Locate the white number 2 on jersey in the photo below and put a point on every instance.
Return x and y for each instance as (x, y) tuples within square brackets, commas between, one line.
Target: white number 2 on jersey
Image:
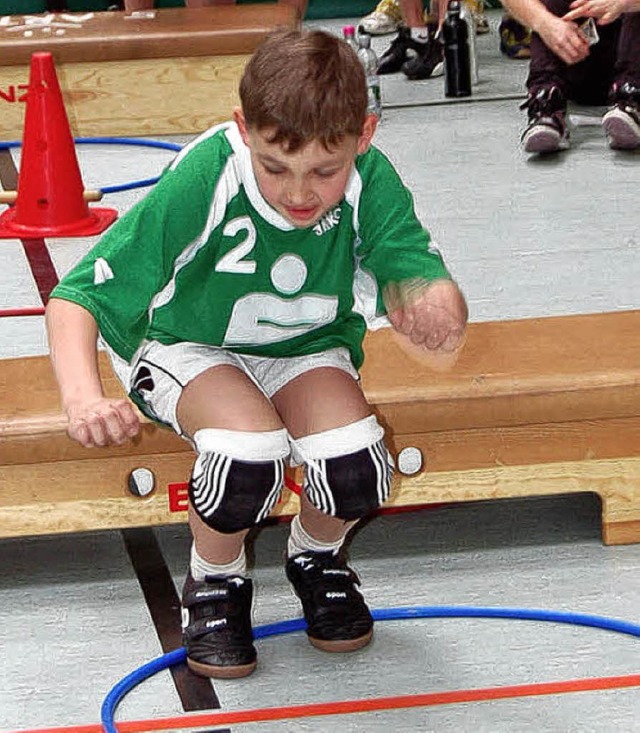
[(234, 261)]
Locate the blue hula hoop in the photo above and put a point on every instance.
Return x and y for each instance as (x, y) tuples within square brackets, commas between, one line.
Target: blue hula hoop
[(178, 656), (140, 142)]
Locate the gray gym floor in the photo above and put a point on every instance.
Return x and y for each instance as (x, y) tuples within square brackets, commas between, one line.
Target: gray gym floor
[(524, 238)]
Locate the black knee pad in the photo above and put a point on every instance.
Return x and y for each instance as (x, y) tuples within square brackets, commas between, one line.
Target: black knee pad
[(348, 470), (235, 487)]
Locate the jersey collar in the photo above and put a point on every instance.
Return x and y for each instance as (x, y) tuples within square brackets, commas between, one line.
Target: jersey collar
[(248, 179)]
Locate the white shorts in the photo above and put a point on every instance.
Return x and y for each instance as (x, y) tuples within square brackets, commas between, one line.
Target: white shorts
[(161, 372)]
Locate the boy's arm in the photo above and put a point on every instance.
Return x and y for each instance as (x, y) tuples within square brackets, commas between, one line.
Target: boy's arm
[(419, 297), (94, 420), (561, 36)]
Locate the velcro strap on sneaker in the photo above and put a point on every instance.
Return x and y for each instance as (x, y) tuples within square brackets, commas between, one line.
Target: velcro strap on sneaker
[(212, 594), (346, 574), (199, 627)]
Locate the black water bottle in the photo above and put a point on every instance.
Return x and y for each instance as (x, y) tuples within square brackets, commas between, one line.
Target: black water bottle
[(457, 55)]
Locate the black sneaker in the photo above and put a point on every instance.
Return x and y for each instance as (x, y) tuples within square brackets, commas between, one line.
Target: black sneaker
[(392, 59), (337, 617), (547, 130), (621, 122), (428, 61), (216, 626)]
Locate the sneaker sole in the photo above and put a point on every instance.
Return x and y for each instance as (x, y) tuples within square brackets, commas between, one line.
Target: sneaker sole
[(438, 70), (620, 134), (393, 70), (342, 645), (223, 673), (543, 141)]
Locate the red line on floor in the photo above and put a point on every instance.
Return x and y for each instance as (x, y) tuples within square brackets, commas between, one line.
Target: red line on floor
[(348, 707)]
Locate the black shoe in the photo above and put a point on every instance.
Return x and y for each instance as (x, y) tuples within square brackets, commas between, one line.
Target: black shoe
[(392, 59), (621, 122), (216, 626), (337, 617), (428, 61), (547, 130)]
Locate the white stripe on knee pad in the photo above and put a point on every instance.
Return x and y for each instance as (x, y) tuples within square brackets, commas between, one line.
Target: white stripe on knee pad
[(217, 450), (315, 450), (384, 465)]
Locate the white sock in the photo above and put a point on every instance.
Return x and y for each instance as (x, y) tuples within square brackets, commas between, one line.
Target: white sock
[(200, 567), (421, 35), (301, 541)]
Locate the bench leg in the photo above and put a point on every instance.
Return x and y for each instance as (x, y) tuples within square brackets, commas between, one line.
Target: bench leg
[(619, 525), (616, 481), (620, 496), (621, 533)]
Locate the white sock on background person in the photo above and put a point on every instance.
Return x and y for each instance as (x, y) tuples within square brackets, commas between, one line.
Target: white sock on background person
[(421, 35)]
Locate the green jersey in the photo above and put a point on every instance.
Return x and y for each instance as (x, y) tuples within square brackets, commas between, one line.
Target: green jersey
[(204, 258)]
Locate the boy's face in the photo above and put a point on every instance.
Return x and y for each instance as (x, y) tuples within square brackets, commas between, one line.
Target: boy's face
[(304, 185)]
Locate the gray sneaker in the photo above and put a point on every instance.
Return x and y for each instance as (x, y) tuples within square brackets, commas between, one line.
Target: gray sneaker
[(547, 130), (621, 123)]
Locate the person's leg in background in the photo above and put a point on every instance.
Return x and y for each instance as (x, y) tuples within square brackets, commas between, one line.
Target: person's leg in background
[(552, 82), (385, 18), (415, 51), (622, 122), (299, 5), (479, 16)]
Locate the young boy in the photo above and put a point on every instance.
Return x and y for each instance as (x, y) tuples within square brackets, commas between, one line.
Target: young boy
[(233, 301)]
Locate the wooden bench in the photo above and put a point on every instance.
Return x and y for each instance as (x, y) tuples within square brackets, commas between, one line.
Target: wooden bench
[(532, 407), (176, 71)]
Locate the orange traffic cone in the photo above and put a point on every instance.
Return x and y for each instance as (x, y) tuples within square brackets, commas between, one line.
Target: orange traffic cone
[(50, 198)]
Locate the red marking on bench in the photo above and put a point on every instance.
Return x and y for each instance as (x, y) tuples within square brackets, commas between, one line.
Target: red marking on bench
[(10, 94), (178, 496)]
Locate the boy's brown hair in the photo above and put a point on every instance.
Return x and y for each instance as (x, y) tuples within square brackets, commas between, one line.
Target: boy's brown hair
[(306, 85)]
